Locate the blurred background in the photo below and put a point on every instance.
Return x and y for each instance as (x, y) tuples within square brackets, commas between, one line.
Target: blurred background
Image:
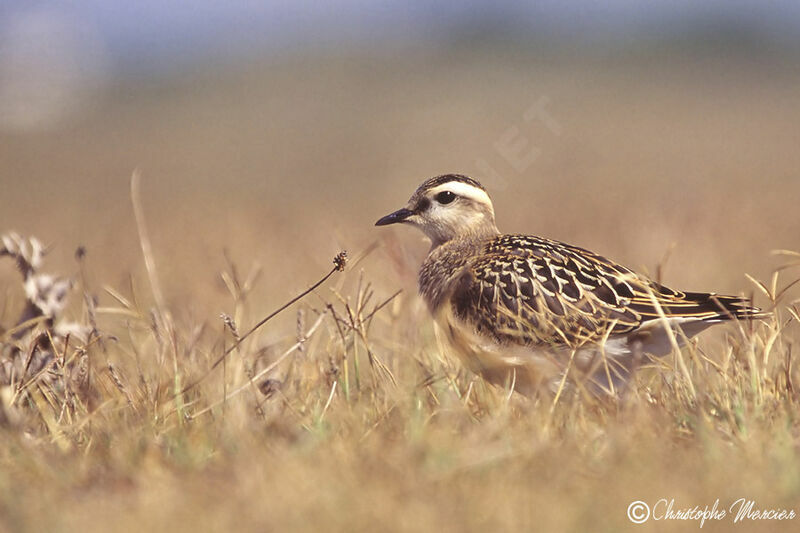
[(660, 132), (278, 132)]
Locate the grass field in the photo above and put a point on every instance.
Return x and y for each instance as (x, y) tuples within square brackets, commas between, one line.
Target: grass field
[(341, 413)]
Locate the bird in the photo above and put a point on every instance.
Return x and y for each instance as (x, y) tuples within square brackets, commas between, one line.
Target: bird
[(528, 312)]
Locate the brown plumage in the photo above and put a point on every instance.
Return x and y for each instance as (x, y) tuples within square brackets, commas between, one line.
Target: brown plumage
[(523, 305)]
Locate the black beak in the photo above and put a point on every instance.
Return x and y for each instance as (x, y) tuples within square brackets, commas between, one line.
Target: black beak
[(393, 218)]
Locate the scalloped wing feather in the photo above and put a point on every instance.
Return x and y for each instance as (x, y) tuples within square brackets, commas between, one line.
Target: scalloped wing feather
[(533, 291)]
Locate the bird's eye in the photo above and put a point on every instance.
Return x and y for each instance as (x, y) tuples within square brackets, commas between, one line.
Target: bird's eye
[(445, 197)]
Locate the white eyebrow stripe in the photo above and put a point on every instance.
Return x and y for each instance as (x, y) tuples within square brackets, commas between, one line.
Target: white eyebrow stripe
[(463, 189)]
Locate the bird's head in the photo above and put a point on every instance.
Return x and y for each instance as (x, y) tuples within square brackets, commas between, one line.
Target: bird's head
[(445, 207)]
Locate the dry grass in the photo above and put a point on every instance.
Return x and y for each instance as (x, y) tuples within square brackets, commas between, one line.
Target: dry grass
[(362, 425)]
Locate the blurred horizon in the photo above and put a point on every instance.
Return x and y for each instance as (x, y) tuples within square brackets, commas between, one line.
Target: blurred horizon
[(152, 37), (57, 57)]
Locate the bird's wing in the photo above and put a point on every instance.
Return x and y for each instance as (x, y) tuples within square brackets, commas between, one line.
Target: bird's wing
[(528, 290)]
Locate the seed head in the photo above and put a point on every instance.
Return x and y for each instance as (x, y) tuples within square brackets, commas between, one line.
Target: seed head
[(340, 261)]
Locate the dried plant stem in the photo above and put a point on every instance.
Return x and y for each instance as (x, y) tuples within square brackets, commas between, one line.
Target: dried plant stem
[(144, 240), (266, 370), (163, 320), (338, 266)]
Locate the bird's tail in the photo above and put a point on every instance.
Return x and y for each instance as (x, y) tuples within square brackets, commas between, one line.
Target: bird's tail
[(701, 306), (714, 307)]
